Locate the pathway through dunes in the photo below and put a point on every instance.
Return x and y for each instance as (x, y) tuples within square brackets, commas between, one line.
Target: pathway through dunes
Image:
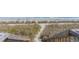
[(36, 39)]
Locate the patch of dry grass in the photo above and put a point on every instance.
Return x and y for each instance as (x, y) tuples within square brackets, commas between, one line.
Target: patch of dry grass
[(23, 30), (51, 30)]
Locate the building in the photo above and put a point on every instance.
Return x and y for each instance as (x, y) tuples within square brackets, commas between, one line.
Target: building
[(75, 33), (6, 37), (16, 38), (3, 36)]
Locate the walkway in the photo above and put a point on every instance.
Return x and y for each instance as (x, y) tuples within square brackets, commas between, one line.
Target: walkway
[(36, 39)]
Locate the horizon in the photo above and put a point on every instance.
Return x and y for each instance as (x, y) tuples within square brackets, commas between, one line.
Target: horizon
[(40, 18)]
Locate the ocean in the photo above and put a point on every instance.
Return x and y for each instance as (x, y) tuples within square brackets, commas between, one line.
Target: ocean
[(40, 18)]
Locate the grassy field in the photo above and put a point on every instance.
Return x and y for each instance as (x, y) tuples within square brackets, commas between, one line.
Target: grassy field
[(27, 30)]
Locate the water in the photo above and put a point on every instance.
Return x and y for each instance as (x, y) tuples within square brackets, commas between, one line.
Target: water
[(40, 18)]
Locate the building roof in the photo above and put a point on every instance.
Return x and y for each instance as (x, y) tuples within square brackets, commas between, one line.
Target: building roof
[(74, 32), (17, 37), (3, 36)]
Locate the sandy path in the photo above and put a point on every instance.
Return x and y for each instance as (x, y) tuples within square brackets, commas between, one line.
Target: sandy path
[(36, 39)]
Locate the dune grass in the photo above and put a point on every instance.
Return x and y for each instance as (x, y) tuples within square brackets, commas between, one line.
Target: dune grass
[(25, 30), (53, 29)]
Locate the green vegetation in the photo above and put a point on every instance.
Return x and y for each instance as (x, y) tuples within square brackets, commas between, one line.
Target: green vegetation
[(25, 30)]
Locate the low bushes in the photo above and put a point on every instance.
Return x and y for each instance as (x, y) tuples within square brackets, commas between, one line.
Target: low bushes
[(25, 30)]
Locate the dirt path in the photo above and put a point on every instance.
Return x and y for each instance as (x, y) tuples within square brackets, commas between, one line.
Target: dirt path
[(36, 39)]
